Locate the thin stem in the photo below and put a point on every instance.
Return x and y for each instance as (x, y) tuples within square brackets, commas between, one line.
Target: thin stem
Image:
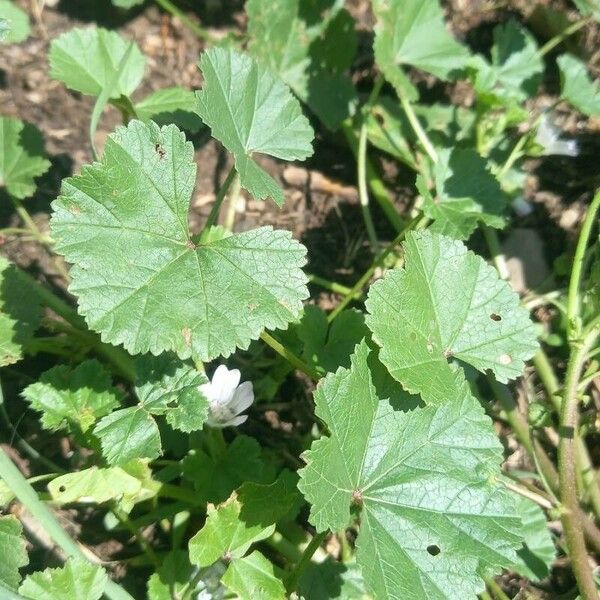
[(41, 513), (236, 187), (289, 356), (379, 259), (548, 377), (294, 578), (363, 191), (573, 299), (14, 231), (496, 591), (493, 243), (417, 128), (202, 33), (514, 155), (216, 207), (143, 543), (567, 472), (332, 286), (563, 35)]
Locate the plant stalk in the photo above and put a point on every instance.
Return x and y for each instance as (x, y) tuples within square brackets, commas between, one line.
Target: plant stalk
[(418, 128), (294, 578), (216, 207), (563, 35), (289, 356)]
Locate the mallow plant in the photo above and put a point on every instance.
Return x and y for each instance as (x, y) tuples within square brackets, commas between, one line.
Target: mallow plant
[(238, 439)]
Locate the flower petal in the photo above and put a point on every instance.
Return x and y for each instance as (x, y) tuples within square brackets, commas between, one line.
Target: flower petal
[(242, 398), (236, 421), (223, 384)]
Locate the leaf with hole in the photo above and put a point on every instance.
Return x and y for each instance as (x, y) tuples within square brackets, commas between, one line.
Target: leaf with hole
[(433, 518), (158, 290)]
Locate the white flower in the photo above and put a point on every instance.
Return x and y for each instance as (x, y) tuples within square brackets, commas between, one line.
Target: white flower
[(227, 398), (547, 136)]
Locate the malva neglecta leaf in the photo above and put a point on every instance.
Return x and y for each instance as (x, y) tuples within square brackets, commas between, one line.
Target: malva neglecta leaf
[(413, 33), (17, 26), (76, 580), (333, 580), (467, 194), (433, 518), (214, 478), (22, 157), (253, 578), (73, 398), (310, 52), (250, 110), (13, 555), (20, 314), (446, 303), (157, 290), (172, 577), (576, 87), (87, 60)]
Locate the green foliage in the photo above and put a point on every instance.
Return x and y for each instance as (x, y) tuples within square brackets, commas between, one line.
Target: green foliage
[(467, 194), (310, 46), (253, 578), (170, 105), (127, 3), (423, 481), (73, 398), (22, 157), (331, 580), (448, 303), (576, 86), (12, 552), (250, 111), (77, 580), (136, 202), (87, 61), (19, 314), (14, 24)]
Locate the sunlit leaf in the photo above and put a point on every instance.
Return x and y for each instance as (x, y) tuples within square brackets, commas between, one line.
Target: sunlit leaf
[(15, 27), (253, 578), (576, 86), (13, 555)]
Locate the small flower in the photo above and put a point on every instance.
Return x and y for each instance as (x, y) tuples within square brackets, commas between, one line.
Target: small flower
[(547, 136), (227, 397)]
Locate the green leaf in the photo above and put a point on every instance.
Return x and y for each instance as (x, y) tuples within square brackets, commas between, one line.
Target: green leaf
[(413, 32), (172, 577), (433, 518), (310, 46), (588, 8), (220, 293), (331, 580), (251, 111), (516, 68), (576, 86), (329, 346), (467, 194), (87, 61), (73, 398), (170, 105), (167, 386), (446, 303), (19, 314), (127, 434), (127, 3), (22, 157), (16, 24), (253, 578), (538, 551), (215, 478), (77, 580), (13, 555)]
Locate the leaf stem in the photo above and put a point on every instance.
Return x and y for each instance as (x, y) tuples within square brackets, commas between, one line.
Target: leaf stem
[(216, 207), (563, 35), (143, 543), (573, 298), (496, 591), (202, 33), (417, 127), (363, 191), (236, 187), (567, 472), (493, 243), (289, 356), (294, 577), (332, 286), (28, 497)]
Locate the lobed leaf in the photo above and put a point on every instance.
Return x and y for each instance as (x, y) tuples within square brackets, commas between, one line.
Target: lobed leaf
[(19, 314), (433, 519), (87, 60), (332, 580), (77, 580), (13, 555), (251, 111), (253, 578), (446, 303), (157, 290), (73, 398), (170, 105), (22, 157), (16, 26)]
